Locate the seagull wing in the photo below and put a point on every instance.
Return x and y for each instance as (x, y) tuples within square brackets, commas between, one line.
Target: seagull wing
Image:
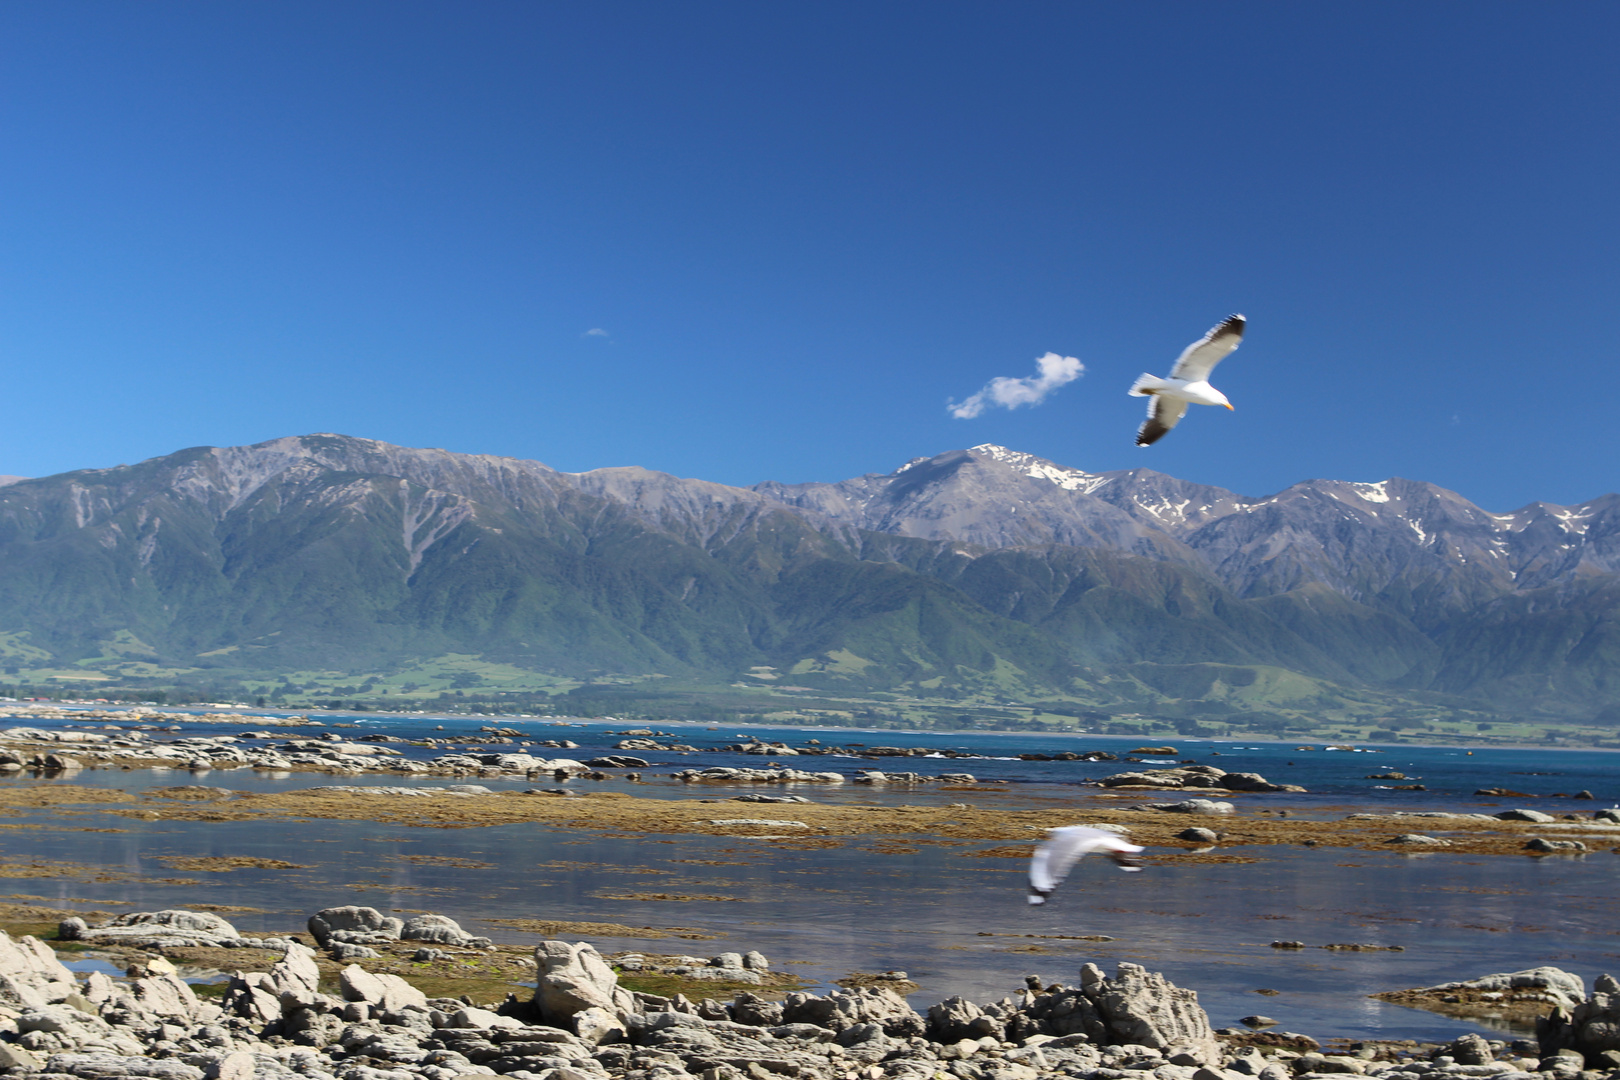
[(1056, 855), (1163, 414), (1199, 359)]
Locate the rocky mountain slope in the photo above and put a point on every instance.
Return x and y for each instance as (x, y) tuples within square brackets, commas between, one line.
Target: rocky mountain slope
[(974, 569)]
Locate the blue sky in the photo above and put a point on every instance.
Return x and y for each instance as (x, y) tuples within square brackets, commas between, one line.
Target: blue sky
[(804, 228)]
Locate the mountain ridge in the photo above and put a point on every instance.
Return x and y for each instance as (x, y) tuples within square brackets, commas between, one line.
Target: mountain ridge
[(960, 572)]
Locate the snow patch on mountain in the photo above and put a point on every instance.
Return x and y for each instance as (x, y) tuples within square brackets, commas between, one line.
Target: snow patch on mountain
[(1039, 468)]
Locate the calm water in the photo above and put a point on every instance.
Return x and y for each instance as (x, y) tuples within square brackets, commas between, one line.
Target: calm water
[(956, 924)]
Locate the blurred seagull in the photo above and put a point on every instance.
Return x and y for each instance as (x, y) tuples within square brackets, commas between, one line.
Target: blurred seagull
[(1188, 381), (1062, 848)]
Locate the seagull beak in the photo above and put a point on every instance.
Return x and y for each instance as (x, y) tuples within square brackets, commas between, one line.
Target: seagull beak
[(1228, 404)]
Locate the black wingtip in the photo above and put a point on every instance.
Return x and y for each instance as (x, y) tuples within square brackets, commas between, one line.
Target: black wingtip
[(1232, 324)]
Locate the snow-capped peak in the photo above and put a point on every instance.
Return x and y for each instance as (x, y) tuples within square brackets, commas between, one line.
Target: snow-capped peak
[(1040, 468)]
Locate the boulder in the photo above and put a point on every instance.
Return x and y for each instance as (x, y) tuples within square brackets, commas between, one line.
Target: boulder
[(1554, 984), (441, 930), (1548, 847), (31, 975), (573, 978), (1142, 779), (377, 990), (296, 971), (1194, 806), (290, 986), (1249, 781), (860, 1005), (1525, 815), (354, 926), (1611, 817), (53, 1029), (957, 1018), (1419, 840), (598, 1026), (1198, 835), (1591, 1027), (1145, 1008), (171, 927), (755, 1011), (342, 950), (104, 1065), (1470, 1049), (473, 1017)]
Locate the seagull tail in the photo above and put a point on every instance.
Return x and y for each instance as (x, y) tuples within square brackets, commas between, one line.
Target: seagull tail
[(1146, 385)]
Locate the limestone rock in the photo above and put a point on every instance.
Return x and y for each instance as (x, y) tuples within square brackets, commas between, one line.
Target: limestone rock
[(388, 993), (1590, 1027), (1145, 1008), (98, 1066), (440, 930), (859, 1005), (1548, 847), (598, 1026), (1560, 986), (296, 974), (1471, 1050), (353, 925), (171, 927), (1525, 815), (343, 950), (1194, 806), (956, 1018), (574, 977), (30, 974)]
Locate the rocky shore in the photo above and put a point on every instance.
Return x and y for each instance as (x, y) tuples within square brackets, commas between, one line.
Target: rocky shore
[(305, 1017)]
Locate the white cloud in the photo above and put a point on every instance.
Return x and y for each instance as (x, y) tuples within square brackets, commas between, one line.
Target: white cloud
[(595, 331), (1053, 371)]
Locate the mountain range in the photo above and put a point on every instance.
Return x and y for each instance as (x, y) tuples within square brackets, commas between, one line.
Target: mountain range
[(972, 572)]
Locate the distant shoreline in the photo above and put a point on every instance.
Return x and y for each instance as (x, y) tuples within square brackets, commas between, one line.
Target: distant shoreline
[(247, 711)]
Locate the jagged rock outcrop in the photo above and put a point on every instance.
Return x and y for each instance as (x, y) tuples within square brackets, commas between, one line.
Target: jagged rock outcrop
[(1590, 1027), (31, 975), (1145, 1008), (574, 977)]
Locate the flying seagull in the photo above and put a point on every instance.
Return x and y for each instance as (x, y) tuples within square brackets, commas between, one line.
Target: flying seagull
[(1062, 848), (1188, 381)]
